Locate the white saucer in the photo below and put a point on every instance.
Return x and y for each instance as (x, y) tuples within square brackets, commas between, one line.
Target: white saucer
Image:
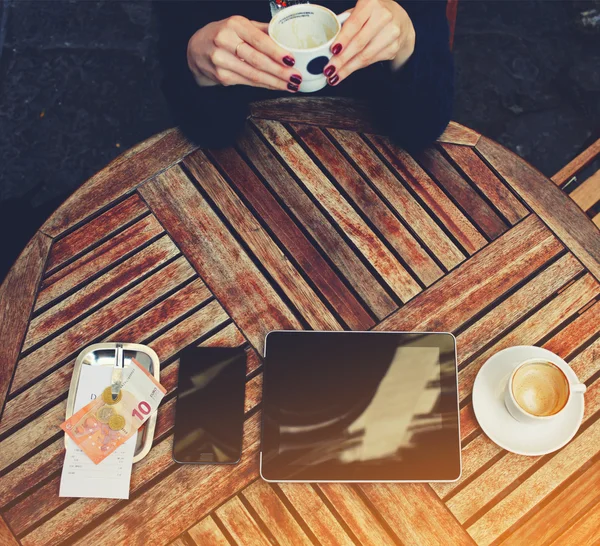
[(501, 427)]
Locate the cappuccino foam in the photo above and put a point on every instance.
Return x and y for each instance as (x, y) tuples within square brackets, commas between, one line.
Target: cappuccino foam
[(540, 388)]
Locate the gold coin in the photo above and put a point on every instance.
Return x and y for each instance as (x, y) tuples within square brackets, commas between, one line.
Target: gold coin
[(104, 413), (116, 422), (107, 397)]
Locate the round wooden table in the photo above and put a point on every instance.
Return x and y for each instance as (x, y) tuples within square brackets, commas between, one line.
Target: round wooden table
[(310, 221)]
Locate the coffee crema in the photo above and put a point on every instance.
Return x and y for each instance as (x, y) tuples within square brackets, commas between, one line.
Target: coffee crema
[(540, 388)]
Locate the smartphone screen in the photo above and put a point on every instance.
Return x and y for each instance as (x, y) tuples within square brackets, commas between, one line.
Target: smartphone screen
[(209, 417)]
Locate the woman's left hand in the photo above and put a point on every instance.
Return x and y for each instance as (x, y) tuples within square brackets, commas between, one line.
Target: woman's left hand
[(377, 30)]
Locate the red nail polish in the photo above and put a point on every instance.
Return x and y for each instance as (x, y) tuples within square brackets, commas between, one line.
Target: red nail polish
[(336, 49), (334, 80), (289, 60), (292, 87), (296, 78), (329, 71)]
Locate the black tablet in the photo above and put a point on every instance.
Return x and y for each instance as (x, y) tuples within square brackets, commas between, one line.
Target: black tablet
[(360, 406)]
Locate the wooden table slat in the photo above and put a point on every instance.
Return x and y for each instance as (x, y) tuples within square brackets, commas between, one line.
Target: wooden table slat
[(17, 294), (275, 515), (469, 200), (261, 245), (354, 227), (291, 237), (491, 186), (369, 203), (207, 532), (557, 210), (316, 514), (98, 260), (116, 312), (93, 294), (584, 531), (356, 514), (397, 196), (224, 266), (317, 225), (104, 226), (436, 200), (6, 537)]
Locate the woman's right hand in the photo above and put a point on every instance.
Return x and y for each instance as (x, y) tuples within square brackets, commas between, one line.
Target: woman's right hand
[(238, 51)]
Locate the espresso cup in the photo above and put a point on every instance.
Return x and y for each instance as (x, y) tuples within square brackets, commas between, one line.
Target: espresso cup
[(539, 390), (307, 31)]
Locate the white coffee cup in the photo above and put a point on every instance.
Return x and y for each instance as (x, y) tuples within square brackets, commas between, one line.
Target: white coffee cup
[(539, 390), (307, 31)]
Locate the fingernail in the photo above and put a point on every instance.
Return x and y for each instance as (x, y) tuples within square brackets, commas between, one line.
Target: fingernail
[(296, 78), (292, 87), (334, 80), (329, 71), (336, 49), (289, 60)]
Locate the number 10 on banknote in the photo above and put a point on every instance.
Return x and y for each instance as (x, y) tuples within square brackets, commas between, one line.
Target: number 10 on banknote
[(105, 423)]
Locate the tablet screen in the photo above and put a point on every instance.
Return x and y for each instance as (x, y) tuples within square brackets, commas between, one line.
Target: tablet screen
[(360, 406)]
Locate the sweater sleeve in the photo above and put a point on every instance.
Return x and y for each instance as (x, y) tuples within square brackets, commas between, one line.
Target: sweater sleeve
[(416, 105), (210, 116)]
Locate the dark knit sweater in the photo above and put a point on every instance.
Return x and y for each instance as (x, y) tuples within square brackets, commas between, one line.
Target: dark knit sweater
[(413, 105)]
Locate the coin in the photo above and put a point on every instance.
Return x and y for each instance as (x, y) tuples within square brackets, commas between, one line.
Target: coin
[(116, 422), (107, 397), (104, 413)]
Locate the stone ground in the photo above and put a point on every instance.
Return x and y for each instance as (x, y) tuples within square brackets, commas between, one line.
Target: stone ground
[(79, 84)]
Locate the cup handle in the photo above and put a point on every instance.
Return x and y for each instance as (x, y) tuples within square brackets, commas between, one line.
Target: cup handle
[(580, 387), (343, 17)]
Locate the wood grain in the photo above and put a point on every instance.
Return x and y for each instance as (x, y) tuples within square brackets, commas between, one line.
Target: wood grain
[(104, 226), (224, 266), (95, 326), (17, 294), (339, 112), (98, 260), (292, 239), (415, 514), (459, 134), (119, 178), (477, 283), (430, 194), (261, 245), (207, 532), (96, 292), (489, 184), (368, 202), (355, 228), (240, 524), (315, 513), (537, 487), (587, 194), (560, 213), (567, 506), (468, 199), (356, 515), (275, 515), (584, 532), (577, 164), (316, 224), (6, 537), (399, 199)]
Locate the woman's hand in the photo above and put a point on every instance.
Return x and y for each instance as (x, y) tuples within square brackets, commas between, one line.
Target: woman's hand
[(377, 30), (238, 51)]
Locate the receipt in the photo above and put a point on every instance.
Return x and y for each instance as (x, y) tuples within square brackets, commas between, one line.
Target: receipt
[(110, 478)]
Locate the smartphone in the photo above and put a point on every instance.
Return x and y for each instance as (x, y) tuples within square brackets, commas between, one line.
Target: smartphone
[(209, 417)]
